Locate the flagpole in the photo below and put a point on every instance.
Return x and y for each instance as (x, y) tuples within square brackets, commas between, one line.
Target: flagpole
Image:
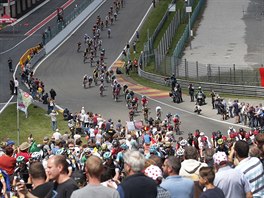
[(18, 130)]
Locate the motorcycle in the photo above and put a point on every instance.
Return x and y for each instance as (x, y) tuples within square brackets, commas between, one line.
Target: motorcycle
[(200, 98), (175, 95)]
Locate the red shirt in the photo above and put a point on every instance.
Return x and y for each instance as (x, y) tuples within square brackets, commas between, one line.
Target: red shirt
[(8, 164), (26, 155)]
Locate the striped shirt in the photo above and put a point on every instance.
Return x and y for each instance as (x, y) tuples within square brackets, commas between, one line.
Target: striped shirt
[(252, 168)]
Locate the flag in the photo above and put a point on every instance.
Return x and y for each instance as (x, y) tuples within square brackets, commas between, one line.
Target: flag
[(23, 100), (261, 72)]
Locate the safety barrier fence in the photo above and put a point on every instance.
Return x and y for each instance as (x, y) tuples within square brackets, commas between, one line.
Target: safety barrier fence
[(51, 32), (242, 90)]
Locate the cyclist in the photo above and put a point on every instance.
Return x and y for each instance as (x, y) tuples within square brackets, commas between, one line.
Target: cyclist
[(168, 117), (145, 113), (176, 122), (135, 104), (79, 46), (158, 113), (109, 32), (131, 114), (101, 88), (144, 102), (90, 80), (95, 76), (85, 80)]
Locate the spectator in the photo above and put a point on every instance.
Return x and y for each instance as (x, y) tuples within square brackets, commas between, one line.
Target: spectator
[(10, 64), (260, 144), (94, 189), (7, 161), (206, 178), (136, 184), (230, 181), (53, 117), (12, 86), (178, 186), (57, 171), (23, 151), (155, 173), (53, 94), (251, 167), (16, 84), (38, 178), (190, 167)]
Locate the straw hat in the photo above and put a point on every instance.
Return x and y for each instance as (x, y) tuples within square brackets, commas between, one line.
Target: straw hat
[(24, 146)]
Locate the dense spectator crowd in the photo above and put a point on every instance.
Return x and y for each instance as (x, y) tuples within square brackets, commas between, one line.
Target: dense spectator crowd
[(244, 113), (99, 158), (112, 161)]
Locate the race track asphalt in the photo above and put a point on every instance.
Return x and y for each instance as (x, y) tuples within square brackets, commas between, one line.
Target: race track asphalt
[(63, 70)]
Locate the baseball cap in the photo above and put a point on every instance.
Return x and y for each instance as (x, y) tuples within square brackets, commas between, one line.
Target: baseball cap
[(10, 143), (153, 172), (219, 157)]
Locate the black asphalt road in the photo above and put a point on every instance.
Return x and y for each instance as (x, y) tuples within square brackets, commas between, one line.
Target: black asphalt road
[(64, 70), (9, 39)]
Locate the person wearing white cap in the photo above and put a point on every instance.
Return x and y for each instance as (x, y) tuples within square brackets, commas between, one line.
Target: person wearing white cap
[(155, 173), (57, 135), (230, 181)]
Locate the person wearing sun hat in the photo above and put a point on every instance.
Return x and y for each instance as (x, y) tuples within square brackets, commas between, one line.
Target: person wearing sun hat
[(23, 151), (155, 173), (230, 181)]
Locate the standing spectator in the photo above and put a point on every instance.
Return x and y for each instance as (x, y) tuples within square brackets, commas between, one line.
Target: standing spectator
[(251, 167), (137, 35), (7, 161), (57, 170), (260, 144), (190, 168), (155, 173), (10, 64), (134, 47), (38, 178), (230, 181), (57, 135), (23, 151), (236, 111), (154, 3), (191, 91), (53, 116), (173, 82), (206, 178), (53, 94), (213, 98), (94, 189), (12, 86), (136, 184), (16, 83), (178, 186)]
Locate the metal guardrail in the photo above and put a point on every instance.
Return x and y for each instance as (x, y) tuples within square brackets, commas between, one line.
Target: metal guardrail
[(218, 88), (51, 32)]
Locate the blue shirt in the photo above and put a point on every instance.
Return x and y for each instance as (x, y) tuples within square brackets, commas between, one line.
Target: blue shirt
[(231, 182), (178, 186)]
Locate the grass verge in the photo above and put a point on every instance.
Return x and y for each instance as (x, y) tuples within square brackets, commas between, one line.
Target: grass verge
[(38, 124)]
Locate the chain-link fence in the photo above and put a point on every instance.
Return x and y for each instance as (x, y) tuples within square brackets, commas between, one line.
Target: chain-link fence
[(62, 22), (195, 71)]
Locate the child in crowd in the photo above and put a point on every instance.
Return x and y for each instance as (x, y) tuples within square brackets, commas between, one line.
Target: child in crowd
[(206, 179)]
